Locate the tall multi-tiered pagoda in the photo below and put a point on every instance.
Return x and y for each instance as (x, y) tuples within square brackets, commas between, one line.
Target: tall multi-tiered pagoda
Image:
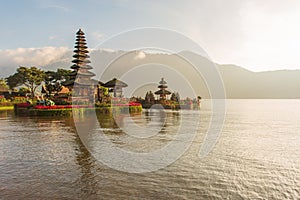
[(162, 92), (81, 77)]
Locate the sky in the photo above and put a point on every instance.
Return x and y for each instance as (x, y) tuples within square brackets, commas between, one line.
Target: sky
[(257, 35)]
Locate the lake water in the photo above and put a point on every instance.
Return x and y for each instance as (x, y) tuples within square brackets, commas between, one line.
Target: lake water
[(257, 156)]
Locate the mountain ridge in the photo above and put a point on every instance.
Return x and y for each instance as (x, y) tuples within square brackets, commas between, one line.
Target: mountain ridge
[(239, 83)]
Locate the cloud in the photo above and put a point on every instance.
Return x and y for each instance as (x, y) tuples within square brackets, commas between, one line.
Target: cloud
[(140, 55), (256, 34), (271, 37), (97, 35), (58, 7), (109, 50), (53, 37), (13, 58)]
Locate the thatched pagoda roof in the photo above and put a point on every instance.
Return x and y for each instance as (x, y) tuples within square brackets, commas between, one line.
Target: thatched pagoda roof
[(80, 51), (115, 82), (81, 61), (162, 86), (159, 92), (87, 73)]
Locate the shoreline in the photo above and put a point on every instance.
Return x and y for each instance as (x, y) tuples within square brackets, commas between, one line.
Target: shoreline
[(79, 111)]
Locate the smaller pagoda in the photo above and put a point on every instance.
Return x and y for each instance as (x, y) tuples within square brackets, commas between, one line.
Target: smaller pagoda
[(116, 87), (162, 92)]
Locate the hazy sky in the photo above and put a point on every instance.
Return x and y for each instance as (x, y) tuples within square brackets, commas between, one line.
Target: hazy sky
[(256, 34)]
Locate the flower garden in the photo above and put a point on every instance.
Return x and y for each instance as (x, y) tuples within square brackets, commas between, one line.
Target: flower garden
[(9, 104), (68, 110)]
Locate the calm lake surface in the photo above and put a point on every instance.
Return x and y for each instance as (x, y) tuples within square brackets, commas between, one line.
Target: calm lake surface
[(256, 157)]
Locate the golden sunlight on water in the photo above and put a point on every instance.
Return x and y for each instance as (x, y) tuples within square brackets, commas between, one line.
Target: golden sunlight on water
[(256, 157)]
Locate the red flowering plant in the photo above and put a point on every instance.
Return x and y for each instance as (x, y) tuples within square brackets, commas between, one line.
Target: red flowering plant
[(134, 104), (60, 107), (23, 105), (121, 102)]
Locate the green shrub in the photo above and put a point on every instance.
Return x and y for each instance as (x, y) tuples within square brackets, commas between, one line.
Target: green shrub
[(4, 104), (2, 99), (98, 104), (62, 102), (18, 100), (135, 109)]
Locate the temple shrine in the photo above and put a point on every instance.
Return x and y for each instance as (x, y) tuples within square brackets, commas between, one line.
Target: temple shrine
[(162, 92), (81, 82)]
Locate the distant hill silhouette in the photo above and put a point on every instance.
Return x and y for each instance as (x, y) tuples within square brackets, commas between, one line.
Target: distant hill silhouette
[(239, 83)]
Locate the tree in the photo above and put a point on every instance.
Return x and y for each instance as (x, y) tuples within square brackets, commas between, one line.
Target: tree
[(53, 80), (30, 77), (13, 81), (149, 98), (63, 74), (23, 91), (105, 91), (175, 97), (3, 85)]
